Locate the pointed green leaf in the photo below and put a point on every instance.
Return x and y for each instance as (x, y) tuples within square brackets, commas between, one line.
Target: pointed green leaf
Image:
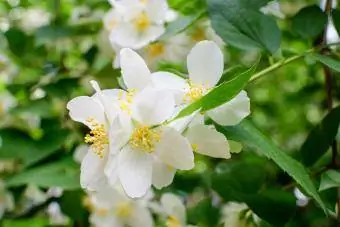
[(320, 138), (328, 61), (336, 19)]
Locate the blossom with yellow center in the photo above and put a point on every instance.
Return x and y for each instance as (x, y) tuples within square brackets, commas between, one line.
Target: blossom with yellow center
[(97, 137), (124, 209), (144, 138), (156, 49), (196, 91), (142, 22)]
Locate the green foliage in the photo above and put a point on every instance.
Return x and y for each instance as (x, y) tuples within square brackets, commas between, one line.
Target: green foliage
[(247, 133), (252, 30), (64, 174), (320, 138), (330, 179), (336, 19), (328, 61), (309, 22)]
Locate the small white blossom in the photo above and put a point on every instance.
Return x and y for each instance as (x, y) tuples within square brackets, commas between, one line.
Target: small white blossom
[(136, 23), (56, 216), (111, 207), (33, 18), (174, 210)]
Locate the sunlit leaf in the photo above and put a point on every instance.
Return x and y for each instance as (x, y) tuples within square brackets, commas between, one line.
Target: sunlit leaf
[(330, 179)]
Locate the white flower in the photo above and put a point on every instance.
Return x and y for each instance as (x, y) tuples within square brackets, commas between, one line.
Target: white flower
[(301, 199), (136, 23), (205, 66), (174, 210), (35, 195), (173, 50), (56, 216), (112, 208), (332, 35), (152, 151), (95, 113), (34, 18), (273, 8)]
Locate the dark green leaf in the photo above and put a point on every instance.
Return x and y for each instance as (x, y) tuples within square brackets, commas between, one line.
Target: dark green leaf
[(241, 24), (19, 43), (330, 179), (309, 22), (204, 214), (247, 133), (64, 174), (320, 138), (220, 94), (71, 204), (36, 222), (336, 19), (40, 107), (328, 61)]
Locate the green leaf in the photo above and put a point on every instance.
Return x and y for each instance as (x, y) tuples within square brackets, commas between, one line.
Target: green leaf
[(242, 181), (252, 30), (40, 107), (179, 25), (220, 94), (19, 43), (71, 204), (320, 138), (336, 19), (330, 179), (309, 22), (247, 133), (64, 174), (328, 61), (36, 222)]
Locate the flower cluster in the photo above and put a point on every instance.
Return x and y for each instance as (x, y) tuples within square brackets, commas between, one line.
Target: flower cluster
[(135, 140)]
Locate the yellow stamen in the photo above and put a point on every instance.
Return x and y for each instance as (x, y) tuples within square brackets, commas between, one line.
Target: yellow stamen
[(194, 147), (198, 35), (196, 91), (144, 138), (125, 102), (102, 212), (173, 222), (97, 137), (124, 209), (156, 49), (142, 22)]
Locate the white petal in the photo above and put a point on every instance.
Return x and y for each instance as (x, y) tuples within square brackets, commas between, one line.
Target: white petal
[(152, 107), (111, 169), (84, 107), (111, 19), (162, 174), (175, 84), (108, 220), (135, 171), (92, 171), (175, 150), (207, 141), (232, 112), (156, 10), (80, 152), (205, 63), (135, 72), (141, 217), (182, 124), (120, 132), (151, 35), (173, 206), (126, 35)]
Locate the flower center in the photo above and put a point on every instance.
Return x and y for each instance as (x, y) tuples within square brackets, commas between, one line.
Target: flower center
[(142, 22), (97, 137), (196, 91), (173, 222), (156, 49), (125, 102), (124, 210), (198, 35), (102, 212), (144, 138)]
